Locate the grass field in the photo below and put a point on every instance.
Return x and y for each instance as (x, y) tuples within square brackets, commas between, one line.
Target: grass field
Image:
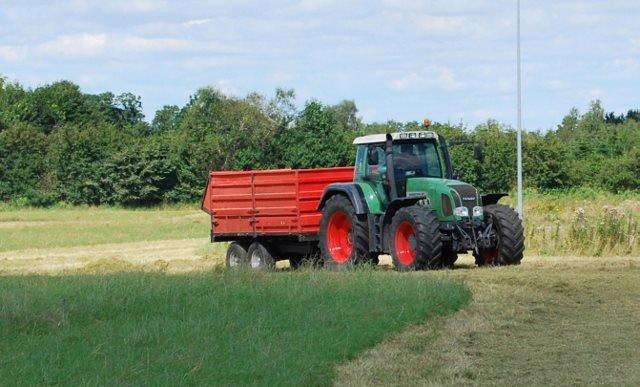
[(225, 327), (568, 315)]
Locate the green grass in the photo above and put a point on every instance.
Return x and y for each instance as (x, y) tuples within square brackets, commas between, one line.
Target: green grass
[(217, 328), (84, 226)]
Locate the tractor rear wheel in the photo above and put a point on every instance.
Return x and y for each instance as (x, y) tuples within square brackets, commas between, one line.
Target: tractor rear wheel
[(259, 257), (344, 235), (510, 238), (237, 254), (416, 242)]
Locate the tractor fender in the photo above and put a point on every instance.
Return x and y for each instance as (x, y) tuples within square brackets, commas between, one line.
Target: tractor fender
[(351, 191), (393, 207), (492, 198)]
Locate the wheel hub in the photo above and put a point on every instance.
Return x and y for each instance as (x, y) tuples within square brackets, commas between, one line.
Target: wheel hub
[(339, 238), (405, 243)]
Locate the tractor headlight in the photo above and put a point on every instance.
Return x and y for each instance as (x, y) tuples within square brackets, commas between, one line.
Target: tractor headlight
[(462, 212), (478, 212)]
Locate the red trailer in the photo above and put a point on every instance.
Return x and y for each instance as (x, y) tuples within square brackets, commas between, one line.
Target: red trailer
[(268, 215)]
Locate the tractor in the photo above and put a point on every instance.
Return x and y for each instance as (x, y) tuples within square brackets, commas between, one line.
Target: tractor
[(405, 201)]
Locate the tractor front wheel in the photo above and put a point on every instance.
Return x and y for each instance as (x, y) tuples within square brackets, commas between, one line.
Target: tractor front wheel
[(509, 234), (344, 236), (415, 239)]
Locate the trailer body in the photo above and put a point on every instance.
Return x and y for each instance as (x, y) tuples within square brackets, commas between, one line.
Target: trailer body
[(268, 204)]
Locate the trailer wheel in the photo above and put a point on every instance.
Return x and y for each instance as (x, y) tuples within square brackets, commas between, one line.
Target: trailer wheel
[(416, 242), (344, 235), (259, 257), (237, 254), (510, 235)]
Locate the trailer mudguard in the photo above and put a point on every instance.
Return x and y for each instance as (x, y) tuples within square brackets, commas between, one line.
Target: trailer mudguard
[(492, 198), (350, 190)]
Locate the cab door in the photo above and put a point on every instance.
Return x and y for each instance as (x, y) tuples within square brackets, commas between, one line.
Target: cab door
[(371, 169)]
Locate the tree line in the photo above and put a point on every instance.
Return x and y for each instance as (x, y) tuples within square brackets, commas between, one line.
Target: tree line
[(58, 144)]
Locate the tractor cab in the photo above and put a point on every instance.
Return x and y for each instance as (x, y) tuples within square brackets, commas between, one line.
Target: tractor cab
[(412, 155)]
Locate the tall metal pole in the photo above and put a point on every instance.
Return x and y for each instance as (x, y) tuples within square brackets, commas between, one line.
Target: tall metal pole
[(519, 134)]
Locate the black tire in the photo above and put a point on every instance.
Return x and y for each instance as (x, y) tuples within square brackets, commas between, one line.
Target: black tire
[(510, 235), (422, 247), (339, 256), (237, 255), (259, 257), (449, 257), (374, 259)]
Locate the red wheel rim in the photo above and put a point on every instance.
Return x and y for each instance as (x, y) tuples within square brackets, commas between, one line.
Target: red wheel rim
[(339, 239), (406, 243)]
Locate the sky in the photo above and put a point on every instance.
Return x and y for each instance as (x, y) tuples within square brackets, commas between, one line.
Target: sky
[(452, 61)]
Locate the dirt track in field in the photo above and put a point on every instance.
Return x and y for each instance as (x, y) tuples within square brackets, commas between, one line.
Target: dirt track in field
[(171, 255)]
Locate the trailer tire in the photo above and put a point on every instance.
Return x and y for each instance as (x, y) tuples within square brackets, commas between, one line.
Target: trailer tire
[(344, 235), (416, 242), (510, 235), (259, 257), (237, 254)]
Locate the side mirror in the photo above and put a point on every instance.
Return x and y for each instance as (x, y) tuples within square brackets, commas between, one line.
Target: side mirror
[(458, 175), (477, 153)]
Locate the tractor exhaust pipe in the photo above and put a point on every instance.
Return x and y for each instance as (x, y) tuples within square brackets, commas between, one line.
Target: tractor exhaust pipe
[(391, 173)]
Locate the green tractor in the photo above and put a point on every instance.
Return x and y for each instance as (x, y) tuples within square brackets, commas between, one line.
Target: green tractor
[(404, 201)]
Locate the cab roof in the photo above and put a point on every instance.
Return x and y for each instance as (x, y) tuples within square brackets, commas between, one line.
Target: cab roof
[(382, 137)]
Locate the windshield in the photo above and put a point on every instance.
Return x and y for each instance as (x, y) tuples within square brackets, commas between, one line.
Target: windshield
[(416, 159)]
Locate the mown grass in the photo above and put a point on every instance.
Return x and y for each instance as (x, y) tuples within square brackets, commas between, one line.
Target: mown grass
[(550, 321), (224, 327), (83, 226)]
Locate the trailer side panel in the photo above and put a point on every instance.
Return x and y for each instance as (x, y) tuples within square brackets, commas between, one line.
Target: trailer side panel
[(270, 202)]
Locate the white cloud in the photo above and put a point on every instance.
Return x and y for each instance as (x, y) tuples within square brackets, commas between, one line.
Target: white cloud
[(196, 22), (81, 45), (440, 24), (504, 85), (626, 65), (433, 76), (141, 6), (87, 46), (12, 53), (138, 44), (555, 84)]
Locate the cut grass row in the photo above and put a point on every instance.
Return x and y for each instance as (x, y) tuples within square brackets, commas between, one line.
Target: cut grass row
[(42, 229), (224, 327)]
